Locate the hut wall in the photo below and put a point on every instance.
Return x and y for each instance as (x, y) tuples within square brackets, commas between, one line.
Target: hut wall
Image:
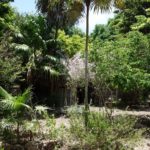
[(50, 92)]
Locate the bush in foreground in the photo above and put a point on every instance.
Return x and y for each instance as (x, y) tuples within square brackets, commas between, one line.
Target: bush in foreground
[(101, 131)]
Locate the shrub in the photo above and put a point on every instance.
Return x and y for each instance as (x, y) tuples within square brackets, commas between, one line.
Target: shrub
[(101, 132)]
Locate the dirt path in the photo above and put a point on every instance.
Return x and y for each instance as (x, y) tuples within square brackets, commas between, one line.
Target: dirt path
[(62, 121), (144, 144), (122, 112)]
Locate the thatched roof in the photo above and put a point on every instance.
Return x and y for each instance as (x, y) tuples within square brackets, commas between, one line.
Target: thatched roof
[(76, 68)]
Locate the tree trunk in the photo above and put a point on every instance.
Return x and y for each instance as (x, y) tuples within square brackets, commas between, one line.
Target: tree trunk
[(86, 63), (18, 131), (56, 32)]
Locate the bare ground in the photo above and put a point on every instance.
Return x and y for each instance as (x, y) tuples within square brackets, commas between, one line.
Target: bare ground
[(122, 112)]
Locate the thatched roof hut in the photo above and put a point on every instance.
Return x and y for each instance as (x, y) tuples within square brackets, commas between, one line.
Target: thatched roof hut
[(76, 68), (76, 71)]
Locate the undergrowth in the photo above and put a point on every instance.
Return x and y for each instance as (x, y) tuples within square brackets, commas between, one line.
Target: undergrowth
[(101, 132)]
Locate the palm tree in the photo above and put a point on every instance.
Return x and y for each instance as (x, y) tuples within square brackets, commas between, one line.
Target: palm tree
[(35, 47), (59, 13), (96, 5)]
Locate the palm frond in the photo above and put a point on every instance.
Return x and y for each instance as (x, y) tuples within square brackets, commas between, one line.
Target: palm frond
[(21, 48), (7, 104), (120, 4), (51, 71), (18, 35), (5, 94), (101, 5), (11, 103), (41, 109), (26, 96), (21, 100), (51, 58), (76, 11), (42, 5)]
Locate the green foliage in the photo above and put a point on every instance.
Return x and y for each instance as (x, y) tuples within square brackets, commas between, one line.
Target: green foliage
[(30, 48), (142, 23), (101, 133), (14, 104), (100, 32), (10, 66), (50, 122), (13, 109), (70, 44), (41, 110), (124, 63), (134, 15), (10, 71), (75, 31), (122, 58), (37, 46), (6, 17)]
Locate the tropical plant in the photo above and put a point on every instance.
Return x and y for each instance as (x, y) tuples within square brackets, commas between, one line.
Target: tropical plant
[(12, 103), (60, 14), (14, 106), (36, 46)]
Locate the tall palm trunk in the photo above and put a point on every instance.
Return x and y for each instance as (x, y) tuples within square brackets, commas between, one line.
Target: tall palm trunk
[(86, 63)]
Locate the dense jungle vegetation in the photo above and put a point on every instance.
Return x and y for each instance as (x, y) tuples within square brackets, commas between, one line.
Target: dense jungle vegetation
[(49, 68)]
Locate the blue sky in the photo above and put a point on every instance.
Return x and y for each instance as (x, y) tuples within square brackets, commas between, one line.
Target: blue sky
[(28, 6), (24, 5)]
